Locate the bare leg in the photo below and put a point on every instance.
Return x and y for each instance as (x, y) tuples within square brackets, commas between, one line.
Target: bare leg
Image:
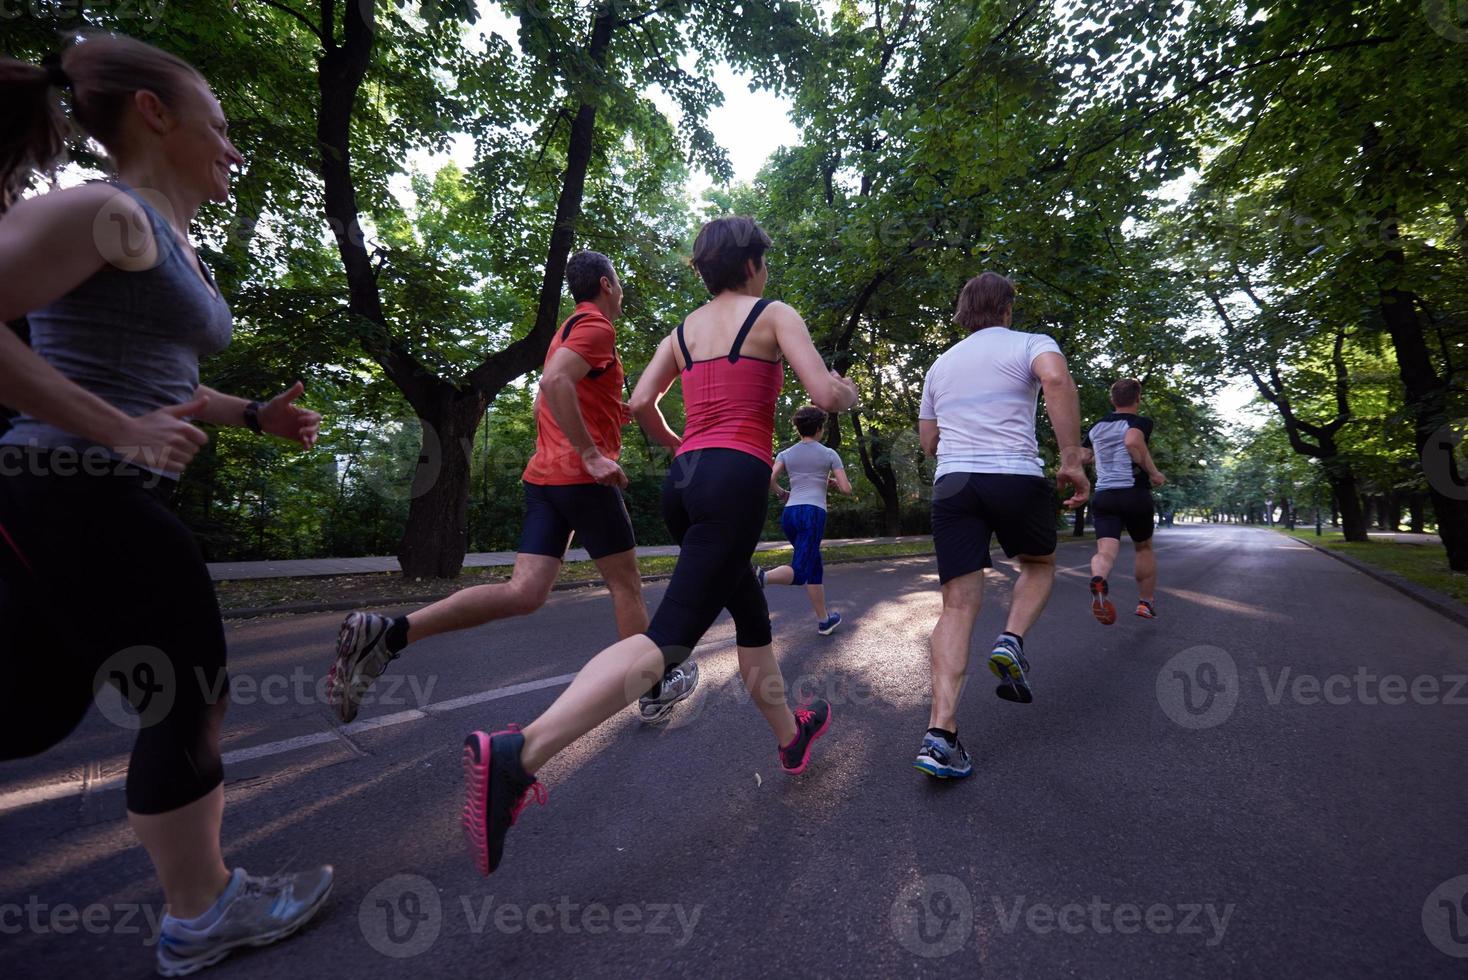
[(526, 591), (764, 682), (624, 582), (184, 847), (609, 682), (1105, 557), (962, 599), (1146, 570), (817, 594), (780, 575), (1031, 592)]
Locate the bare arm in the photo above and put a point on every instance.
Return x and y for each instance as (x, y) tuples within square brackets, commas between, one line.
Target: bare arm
[(558, 390), (1063, 405), (928, 436), (659, 376), (843, 482), (775, 487), (1136, 447), (828, 390)]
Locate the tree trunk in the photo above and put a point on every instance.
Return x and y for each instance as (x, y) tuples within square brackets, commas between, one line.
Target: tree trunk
[(1424, 390), (1352, 518), (1079, 528), (1414, 507), (876, 463), (436, 535)]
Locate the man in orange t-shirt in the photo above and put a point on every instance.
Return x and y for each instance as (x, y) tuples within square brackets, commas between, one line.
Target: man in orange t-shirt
[(573, 484)]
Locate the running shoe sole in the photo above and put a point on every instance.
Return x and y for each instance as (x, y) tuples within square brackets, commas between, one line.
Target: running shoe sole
[(344, 678), (828, 630), (476, 799), (1013, 687), (931, 768), (194, 966), (1146, 613), (805, 759), (1102, 607)]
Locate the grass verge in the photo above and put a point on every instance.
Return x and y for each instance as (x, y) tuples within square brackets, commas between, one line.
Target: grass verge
[(390, 588), (1424, 564)]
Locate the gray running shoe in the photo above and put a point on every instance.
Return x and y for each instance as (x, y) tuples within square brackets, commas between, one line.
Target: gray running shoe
[(942, 758), (260, 912), (361, 657), (678, 683)]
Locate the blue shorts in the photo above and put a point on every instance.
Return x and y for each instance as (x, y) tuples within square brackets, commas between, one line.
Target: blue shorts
[(804, 524)]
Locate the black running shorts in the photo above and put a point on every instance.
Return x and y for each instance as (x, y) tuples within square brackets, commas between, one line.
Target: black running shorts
[(595, 512), (969, 507), (1132, 508)]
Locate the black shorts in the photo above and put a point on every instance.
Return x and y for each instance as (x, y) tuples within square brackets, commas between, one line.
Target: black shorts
[(968, 507), (1132, 508), (595, 512)]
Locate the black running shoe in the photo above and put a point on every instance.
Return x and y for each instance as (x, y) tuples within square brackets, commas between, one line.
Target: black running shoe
[(811, 723)]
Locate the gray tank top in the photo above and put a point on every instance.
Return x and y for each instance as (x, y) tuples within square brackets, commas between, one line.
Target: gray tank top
[(133, 339)]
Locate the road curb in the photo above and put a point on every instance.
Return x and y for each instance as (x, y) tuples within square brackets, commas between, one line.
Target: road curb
[(1444, 605), (346, 605)]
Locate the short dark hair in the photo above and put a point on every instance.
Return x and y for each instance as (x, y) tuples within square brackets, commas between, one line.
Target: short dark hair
[(584, 273), (721, 249), (984, 301), (1126, 392), (809, 420)]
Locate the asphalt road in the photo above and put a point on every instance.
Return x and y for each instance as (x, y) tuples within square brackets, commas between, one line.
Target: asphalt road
[(1266, 781)]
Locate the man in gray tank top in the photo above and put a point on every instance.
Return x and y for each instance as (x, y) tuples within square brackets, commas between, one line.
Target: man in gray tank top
[(812, 467)]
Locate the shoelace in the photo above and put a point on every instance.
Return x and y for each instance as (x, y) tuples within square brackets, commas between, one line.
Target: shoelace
[(536, 791)]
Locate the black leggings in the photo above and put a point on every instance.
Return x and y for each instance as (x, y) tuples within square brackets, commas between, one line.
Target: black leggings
[(100, 581), (714, 502)]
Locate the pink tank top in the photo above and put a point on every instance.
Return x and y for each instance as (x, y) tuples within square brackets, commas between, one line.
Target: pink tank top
[(729, 402)]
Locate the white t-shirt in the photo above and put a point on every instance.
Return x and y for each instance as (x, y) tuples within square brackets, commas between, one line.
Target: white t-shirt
[(982, 392)]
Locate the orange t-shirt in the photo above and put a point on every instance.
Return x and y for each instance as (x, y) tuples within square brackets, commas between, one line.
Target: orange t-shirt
[(556, 462)]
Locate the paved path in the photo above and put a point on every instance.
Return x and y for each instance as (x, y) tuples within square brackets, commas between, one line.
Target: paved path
[(225, 571), (1265, 782)]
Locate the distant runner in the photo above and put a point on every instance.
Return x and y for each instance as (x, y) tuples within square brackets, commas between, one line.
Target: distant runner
[(1125, 476)]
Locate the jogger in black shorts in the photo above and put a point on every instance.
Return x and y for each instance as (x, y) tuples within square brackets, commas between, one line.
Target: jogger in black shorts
[(573, 485), (978, 419), (118, 300), (1125, 476)]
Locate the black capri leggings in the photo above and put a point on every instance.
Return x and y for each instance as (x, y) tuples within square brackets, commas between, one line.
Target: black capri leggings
[(714, 502), (100, 582)]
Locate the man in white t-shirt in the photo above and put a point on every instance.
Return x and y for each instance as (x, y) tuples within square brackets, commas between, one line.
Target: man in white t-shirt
[(978, 419)]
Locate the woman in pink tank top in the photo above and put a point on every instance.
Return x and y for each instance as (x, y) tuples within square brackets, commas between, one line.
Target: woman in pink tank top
[(730, 355)]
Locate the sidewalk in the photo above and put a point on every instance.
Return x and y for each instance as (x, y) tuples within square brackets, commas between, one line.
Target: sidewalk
[(228, 571)]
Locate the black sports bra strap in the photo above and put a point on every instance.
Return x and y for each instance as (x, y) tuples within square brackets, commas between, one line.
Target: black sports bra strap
[(683, 346), (566, 330), (754, 312)]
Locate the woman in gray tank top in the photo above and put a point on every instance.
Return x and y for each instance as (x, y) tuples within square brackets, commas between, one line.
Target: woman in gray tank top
[(99, 581)]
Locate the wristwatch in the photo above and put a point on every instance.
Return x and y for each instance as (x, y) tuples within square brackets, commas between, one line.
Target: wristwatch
[(252, 416)]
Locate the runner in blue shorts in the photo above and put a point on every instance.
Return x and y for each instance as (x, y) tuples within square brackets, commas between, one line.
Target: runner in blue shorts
[(812, 467)]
